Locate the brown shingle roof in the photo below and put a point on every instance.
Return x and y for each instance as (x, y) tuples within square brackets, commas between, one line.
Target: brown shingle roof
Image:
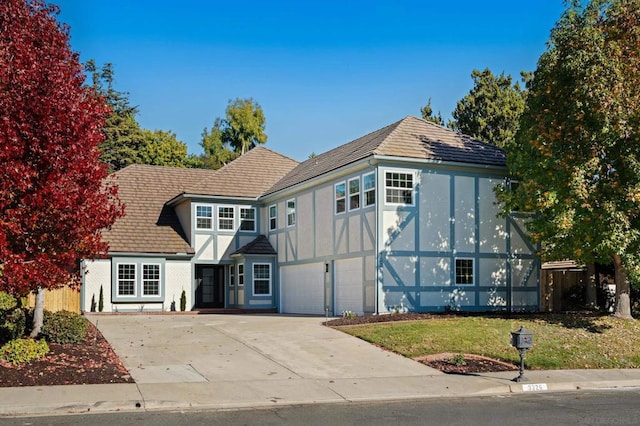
[(260, 245), (410, 137), (149, 226), (247, 176)]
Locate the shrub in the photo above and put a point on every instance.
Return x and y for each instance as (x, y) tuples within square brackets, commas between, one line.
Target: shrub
[(93, 303), (13, 325), (23, 350), (183, 301), (64, 327), (101, 300), (7, 301)]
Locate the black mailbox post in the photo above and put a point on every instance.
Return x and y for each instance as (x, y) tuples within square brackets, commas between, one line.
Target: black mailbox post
[(521, 340)]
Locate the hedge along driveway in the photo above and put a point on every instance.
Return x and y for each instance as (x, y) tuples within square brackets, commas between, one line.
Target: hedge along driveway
[(562, 341)]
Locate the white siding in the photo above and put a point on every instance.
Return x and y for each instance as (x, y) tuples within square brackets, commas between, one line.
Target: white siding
[(492, 228), (204, 247), (435, 204), (178, 277), (465, 222), (98, 273)]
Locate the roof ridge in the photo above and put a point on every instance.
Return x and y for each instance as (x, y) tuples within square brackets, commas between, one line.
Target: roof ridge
[(395, 129)]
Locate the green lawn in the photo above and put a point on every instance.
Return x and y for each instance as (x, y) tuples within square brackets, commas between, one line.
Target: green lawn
[(568, 341)]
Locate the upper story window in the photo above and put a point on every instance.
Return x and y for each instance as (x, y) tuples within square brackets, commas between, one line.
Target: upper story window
[(369, 187), (464, 271), (151, 280), (126, 280), (225, 218), (291, 212), (204, 217), (247, 219), (341, 197), (354, 194), (273, 217), (399, 188)]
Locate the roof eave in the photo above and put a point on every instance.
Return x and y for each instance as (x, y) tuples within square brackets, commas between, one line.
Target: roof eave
[(431, 161)]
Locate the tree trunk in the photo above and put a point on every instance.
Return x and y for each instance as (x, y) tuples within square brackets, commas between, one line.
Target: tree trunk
[(38, 313), (623, 290), (591, 296)]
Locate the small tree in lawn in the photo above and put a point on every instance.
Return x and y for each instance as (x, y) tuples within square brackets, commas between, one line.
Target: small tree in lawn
[(54, 201)]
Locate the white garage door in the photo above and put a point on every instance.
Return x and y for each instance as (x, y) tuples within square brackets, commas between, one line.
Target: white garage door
[(348, 286), (302, 289)]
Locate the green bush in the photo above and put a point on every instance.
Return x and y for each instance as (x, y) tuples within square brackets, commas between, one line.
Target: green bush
[(23, 350), (13, 325), (64, 327), (7, 301)]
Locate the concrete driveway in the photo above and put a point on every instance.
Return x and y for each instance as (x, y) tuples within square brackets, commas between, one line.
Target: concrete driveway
[(223, 348)]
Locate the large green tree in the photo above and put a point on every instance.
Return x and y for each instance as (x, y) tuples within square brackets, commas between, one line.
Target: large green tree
[(123, 137), (577, 153), (492, 108), (241, 130), (162, 148), (427, 114)]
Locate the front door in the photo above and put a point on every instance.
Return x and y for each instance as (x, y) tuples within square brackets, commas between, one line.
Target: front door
[(210, 286)]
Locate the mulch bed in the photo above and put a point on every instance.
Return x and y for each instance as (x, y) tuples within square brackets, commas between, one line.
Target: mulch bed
[(445, 362), (92, 361)]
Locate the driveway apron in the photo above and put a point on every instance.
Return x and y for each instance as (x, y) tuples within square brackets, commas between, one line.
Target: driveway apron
[(217, 348)]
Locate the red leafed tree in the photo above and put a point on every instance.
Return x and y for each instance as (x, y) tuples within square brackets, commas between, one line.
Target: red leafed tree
[(54, 202)]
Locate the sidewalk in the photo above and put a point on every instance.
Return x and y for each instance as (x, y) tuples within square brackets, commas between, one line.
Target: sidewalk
[(227, 362), (59, 400)]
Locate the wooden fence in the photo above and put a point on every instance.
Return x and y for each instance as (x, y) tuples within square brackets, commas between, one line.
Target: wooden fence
[(62, 299)]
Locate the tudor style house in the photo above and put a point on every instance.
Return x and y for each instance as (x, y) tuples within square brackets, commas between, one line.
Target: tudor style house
[(401, 219)]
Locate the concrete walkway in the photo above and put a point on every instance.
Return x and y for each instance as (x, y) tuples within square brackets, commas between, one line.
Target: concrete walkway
[(240, 361)]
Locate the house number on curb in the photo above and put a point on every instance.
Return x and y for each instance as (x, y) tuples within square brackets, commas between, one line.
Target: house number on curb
[(534, 387)]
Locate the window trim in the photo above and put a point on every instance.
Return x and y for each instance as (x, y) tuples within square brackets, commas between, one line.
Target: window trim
[(273, 219), (210, 218), (337, 199), (142, 280), (351, 195), (253, 275), (413, 184), (233, 218), (240, 275), (291, 212), (135, 280), (473, 271), (241, 220), (365, 191)]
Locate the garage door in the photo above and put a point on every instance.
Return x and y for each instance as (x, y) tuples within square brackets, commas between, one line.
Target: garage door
[(348, 286), (302, 289)]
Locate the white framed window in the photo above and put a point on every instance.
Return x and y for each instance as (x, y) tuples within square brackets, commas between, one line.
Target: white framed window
[(126, 280), (262, 279), (273, 217), (247, 219), (291, 212), (369, 188), (150, 279), (204, 217), (241, 275), (354, 194), (464, 271), (399, 188), (232, 276), (340, 197), (225, 218)]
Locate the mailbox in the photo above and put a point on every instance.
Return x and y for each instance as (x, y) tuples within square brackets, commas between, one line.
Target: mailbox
[(522, 339)]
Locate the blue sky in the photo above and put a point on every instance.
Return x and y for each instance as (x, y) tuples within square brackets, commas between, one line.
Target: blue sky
[(325, 72)]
